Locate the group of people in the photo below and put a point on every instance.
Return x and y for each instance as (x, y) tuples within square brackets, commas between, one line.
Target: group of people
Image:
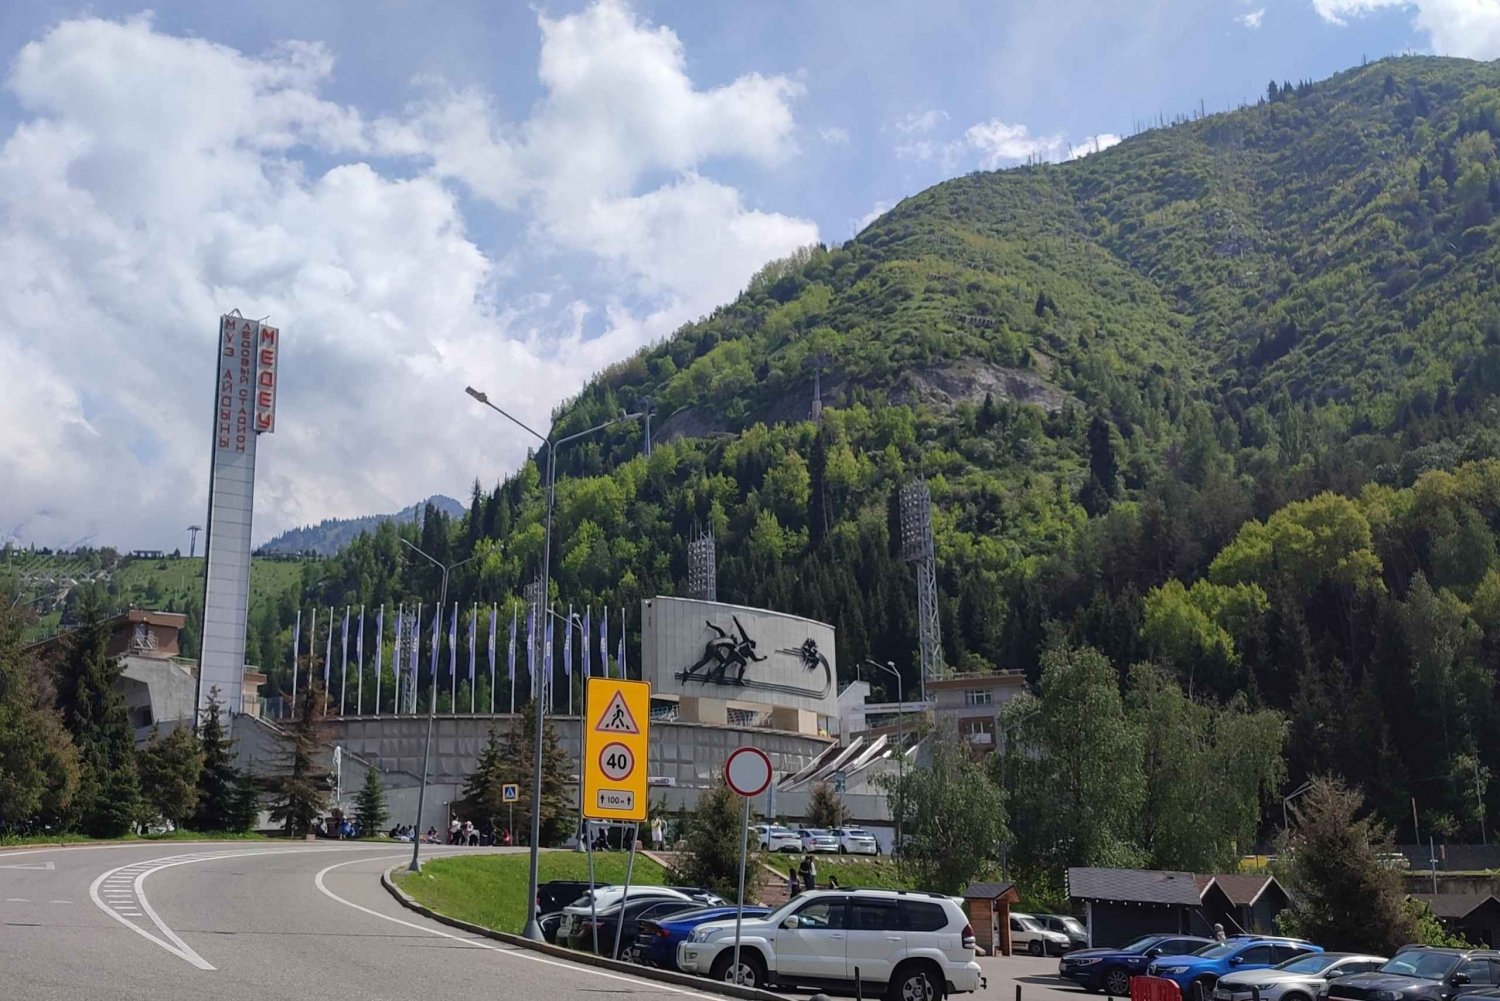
[(406, 832), (804, 876), (466, 833), (599, 837)]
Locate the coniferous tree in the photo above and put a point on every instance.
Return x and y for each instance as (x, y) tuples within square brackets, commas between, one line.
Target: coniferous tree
[(1342, 895), (714, 832), (170, 768), (299, 793), (219, 781), (482, 800), (39, 764), (824, 808), (109, 796), (369, 807)]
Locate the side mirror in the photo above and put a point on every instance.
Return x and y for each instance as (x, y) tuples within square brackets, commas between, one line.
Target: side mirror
[(791, 922), (1152, 953), (1460, 979), (1236, 961)]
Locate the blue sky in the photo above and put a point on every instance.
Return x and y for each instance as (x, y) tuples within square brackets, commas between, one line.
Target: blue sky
[(515, 196)]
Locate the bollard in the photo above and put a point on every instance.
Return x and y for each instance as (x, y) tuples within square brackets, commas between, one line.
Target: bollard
[(1018, 992), (859, 988)]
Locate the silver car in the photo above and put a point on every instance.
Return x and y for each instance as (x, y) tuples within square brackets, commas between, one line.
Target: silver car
[(1294, 980)]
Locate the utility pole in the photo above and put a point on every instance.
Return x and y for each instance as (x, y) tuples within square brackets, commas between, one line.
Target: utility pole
[(648, 407), (193, 531)]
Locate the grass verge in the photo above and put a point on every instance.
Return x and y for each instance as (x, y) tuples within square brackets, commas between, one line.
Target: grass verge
[(878, 873), (490, 890)]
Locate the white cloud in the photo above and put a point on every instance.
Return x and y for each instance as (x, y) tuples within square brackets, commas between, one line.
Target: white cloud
[(1468, 28), (920, 122), (834, 135), (876, 211), (1093, 144), (128, 222), (1003, 145), (1252, 19)]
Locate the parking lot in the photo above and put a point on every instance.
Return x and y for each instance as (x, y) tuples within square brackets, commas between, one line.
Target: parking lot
[(1035, 975)]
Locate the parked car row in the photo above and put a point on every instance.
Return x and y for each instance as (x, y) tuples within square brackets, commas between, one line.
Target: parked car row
[(1276, 968), (905, 944), (833, 840)]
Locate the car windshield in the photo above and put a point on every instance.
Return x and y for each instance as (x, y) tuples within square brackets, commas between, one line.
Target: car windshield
[(1142, 944), (1218, 950), (1072, 925), (855, 832), (781, 830), (1029, 924), (1312, 963), (1421, 964), (817, 833)]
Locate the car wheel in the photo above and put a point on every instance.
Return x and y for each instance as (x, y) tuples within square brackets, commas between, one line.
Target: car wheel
[(1035, 948), (1117, 983), (752, 969), (915, 983)]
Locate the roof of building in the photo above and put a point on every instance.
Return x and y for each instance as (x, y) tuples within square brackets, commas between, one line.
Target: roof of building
[(1001, 679), (990, 891), (1242, 890), (1454, 905), (1141, 886)]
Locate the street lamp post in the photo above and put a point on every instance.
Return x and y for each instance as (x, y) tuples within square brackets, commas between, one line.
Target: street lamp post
[(416, 840), (533, 930), (1286, 801), (890, 668)]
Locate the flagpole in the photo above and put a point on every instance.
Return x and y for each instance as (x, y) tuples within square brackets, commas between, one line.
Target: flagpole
[(359, 656), (416, 658), (296, 642), (473, 618), (494, 608), (514, 614), (328, 659), (379, 653)]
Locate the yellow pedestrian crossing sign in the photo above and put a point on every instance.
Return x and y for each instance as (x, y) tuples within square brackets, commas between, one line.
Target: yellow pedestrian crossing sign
[(618, 714), (617, 717)]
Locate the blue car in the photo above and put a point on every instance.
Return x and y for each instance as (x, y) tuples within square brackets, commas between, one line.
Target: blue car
[(1110, 970), (1196, 974), (656, 943)]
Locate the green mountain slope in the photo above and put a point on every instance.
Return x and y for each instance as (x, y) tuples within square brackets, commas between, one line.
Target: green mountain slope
[(1109, 371)]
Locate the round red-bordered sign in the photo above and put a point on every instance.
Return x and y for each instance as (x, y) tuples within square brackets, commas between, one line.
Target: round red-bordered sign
[(748, 771), (616, 762)]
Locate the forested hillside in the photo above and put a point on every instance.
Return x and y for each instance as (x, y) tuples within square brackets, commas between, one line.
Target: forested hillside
[(1221, 397)]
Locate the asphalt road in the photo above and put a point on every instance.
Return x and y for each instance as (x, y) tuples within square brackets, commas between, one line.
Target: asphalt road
[(252, 921)]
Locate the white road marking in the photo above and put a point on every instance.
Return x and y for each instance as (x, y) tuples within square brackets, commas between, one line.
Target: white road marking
[(59, 901), (38, 866), (16, 900), (515, 951), (123, 902)]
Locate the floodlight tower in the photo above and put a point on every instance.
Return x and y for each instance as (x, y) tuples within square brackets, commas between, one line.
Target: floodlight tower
[(916, 548), (703, 572)]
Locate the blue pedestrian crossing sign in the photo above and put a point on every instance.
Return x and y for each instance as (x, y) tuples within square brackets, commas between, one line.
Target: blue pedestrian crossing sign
[(510, 792)]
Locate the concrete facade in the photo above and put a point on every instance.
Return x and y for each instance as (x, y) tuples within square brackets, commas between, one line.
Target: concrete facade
[(747, 658), (972, 703)]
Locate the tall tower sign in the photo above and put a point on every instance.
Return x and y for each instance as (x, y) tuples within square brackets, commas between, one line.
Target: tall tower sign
[(244, 409)]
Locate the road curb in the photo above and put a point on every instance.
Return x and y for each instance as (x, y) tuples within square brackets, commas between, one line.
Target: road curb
[(581, 958)]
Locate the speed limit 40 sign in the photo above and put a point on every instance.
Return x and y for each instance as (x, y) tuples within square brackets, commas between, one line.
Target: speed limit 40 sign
[(617, 715)]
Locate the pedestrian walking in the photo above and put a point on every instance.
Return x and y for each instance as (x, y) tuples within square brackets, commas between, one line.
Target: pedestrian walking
[(809, 872), (658, 835), (793, 884), (1219, 932)]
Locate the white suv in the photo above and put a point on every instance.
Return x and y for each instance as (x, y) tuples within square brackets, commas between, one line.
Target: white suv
[(914, 946)]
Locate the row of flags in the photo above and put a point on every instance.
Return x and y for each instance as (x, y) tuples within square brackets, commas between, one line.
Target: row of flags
[(408, 641)]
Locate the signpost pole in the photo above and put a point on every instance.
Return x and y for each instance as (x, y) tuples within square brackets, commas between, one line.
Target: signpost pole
[(588, 837), (739, 909), (747, 772), (635, 830)]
